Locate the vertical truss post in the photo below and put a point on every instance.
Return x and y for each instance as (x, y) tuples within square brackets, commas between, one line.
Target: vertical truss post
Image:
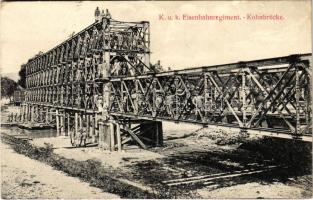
[(122, 97), (147, 41), (32, 113), (118, 137), (101, 133), (57, 121), (136, 106), (75, 124), (93, 128), (297, 95), (205, 97), (22, 113), (80, 121), (112, 142), (37, 113), (154, 96), (27, 113), (68, 128), (106, 85), (159, 132), (244, 100), (309, 116), (88, 128), (47, 115), (28, 116), (176, 115), (96, 129), (62, 123)]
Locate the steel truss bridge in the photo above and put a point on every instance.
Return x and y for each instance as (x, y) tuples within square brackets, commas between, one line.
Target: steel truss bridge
[(99, 87)]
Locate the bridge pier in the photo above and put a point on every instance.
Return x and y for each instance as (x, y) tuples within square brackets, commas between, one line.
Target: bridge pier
[(114, 135)]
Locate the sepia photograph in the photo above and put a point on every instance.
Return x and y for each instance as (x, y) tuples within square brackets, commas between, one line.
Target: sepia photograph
[(156, 99)]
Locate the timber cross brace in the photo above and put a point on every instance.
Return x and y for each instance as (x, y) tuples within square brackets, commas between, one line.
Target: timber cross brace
[(99, 87)]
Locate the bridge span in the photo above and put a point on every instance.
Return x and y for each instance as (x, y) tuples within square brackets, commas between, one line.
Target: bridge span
[(99, 87)]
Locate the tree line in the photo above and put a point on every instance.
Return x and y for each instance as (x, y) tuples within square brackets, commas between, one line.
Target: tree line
[(8, 86)]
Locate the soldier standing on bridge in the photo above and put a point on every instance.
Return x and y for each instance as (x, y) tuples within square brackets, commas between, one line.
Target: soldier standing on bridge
[(116, 68), (97, 14), (125, 41), (119, 41), (106, 35), (114, 41), (158, 66), (136, 42), (107, 14)]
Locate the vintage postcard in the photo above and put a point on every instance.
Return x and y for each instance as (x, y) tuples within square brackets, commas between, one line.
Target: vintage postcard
[(156, 99)]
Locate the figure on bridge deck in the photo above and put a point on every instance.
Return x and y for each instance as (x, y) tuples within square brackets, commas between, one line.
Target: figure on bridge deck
[(102, 14), (97, 14), (88, 74), (95, 72), (119, 41), (169, 102), (113, 41), (98, 102), (125, 103), (61, 95), (198, 102), (132, 71), (124, 69), (106, 36), (158, 101), (107, 14), (85, 44), (99, 73), (136, 41), (94, 37), (125, 41), (116, 67), (158, 66), (111, 103)]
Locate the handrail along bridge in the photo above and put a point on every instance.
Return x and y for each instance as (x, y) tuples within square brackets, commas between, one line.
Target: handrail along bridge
[(99, 87)]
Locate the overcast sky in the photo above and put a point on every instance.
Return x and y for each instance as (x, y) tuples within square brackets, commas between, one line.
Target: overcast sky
[(29, 27)]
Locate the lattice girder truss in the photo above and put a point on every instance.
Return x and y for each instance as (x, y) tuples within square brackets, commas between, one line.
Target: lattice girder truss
[(265, 94), (71, 75)]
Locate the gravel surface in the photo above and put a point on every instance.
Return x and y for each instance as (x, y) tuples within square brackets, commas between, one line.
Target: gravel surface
[(25, 178)]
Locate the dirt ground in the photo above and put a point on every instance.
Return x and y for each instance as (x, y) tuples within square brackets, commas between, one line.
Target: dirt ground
[(194, 162), (255, 190), (25, 178)]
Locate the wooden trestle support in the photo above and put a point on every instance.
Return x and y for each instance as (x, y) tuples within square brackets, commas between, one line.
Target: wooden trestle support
[(98, 87), (68, 86)]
